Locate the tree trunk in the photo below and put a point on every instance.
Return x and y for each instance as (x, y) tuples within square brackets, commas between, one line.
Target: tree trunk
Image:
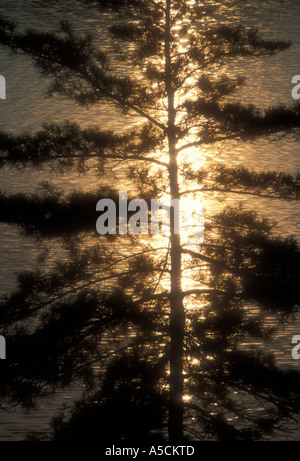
[(177, 316)]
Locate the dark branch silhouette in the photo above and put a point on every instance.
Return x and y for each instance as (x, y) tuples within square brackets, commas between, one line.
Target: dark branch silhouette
[(158, 361)]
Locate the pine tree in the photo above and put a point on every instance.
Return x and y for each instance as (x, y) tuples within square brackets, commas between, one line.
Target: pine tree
[(151, 349)]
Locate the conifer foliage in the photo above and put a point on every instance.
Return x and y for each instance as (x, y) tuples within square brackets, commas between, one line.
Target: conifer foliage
[(158, 359)]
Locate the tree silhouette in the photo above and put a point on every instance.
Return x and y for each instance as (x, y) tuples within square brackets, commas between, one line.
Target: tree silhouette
[(115, 315)]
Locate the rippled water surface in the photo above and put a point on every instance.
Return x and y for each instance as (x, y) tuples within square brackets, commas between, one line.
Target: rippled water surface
[(269, 82)]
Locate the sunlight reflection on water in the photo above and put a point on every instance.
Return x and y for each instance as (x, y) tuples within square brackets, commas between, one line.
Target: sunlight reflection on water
[(26, 109)]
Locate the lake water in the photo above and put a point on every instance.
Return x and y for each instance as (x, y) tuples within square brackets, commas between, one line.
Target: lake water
[(269, 82)]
